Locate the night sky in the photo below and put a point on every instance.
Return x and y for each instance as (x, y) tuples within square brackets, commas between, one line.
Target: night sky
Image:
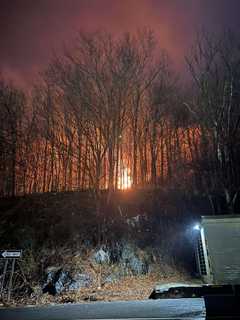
[(31, 29)]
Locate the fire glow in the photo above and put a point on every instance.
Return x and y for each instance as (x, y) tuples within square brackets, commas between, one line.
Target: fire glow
[(125, 180)]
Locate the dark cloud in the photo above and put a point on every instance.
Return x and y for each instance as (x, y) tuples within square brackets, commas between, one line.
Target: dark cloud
[(30, 30)]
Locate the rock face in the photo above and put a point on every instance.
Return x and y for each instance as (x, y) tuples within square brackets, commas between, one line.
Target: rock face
[(101, 256), (128, 260), (59, 281), (131, 262), (80, 280), (53, 275), (63, 282)]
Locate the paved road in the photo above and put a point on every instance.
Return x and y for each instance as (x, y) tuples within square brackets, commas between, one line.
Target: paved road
[(145, 310)]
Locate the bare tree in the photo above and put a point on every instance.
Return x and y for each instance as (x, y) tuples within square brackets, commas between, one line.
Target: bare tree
[(12, 102), (214, 66)]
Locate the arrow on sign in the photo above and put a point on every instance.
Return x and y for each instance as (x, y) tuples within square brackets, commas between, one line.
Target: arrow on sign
[(10, 254)]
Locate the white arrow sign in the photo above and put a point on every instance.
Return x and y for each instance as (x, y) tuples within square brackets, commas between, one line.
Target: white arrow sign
[(11, 253)]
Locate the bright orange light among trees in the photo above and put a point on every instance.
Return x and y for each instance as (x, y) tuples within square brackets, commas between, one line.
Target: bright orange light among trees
[(125, 179)]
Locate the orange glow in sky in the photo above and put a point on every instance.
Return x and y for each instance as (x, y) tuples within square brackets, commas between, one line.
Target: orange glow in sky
[(32, 30)]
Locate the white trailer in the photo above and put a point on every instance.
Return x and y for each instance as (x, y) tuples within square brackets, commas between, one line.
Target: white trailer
[(218, 250)]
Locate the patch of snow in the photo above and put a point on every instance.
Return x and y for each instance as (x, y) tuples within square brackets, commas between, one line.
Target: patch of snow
[(166, 286)]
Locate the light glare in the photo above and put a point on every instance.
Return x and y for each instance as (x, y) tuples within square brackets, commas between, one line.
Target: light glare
[(196, 227)]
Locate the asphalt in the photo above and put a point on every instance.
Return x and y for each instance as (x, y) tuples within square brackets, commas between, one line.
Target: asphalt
[(145, 310)]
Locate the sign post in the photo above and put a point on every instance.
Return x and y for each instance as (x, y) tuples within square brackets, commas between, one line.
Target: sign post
[(8, 256)]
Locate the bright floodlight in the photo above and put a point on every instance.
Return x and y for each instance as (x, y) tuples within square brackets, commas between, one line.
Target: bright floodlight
[(196, 227)]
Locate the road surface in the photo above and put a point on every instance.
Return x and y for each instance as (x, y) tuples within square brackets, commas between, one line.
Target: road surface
[(145, 310)]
